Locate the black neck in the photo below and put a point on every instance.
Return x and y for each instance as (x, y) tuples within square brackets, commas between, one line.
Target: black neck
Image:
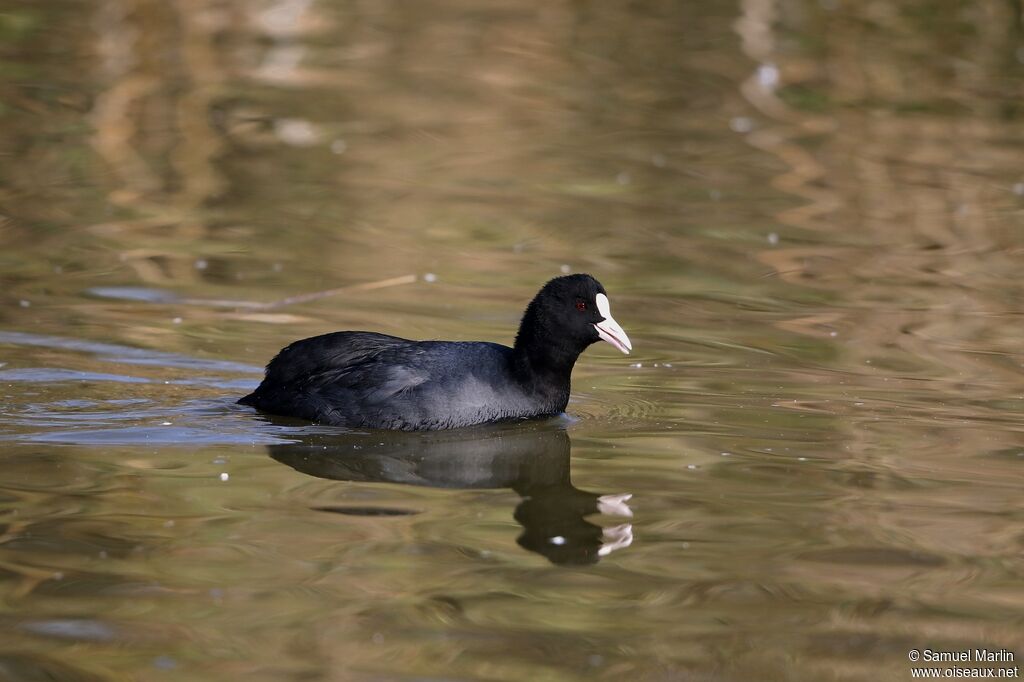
[(541, 355)]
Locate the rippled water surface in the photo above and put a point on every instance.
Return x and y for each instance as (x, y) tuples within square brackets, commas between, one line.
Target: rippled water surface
[(809, 217)]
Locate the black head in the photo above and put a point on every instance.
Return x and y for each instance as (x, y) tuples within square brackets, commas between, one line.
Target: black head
[(567, 315)]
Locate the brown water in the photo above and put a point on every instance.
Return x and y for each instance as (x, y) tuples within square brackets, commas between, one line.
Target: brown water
[(810, 219)]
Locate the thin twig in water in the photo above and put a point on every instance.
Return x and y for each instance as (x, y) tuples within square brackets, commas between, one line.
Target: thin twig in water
[(317, 295), (300, 298)]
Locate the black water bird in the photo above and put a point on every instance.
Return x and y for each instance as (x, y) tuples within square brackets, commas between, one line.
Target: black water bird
[(368, 380)]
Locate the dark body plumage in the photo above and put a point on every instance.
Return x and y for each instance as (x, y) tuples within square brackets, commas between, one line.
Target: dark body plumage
[(369, 380)]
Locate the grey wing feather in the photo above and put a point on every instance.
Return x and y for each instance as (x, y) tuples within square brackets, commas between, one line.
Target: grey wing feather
[(323, 359)]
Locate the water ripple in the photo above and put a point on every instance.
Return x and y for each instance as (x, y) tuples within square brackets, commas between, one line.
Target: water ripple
[(126, 354)]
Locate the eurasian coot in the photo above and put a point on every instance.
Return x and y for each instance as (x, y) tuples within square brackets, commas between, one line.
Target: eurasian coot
[(370, 380)]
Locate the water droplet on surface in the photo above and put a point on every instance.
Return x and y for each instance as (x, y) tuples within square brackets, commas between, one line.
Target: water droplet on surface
[(741, 124), (296, 132), (768, 76)]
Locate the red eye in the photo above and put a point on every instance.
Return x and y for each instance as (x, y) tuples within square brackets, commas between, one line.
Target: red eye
[(581, 306)]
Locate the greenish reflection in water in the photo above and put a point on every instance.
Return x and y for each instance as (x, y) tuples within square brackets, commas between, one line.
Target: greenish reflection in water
[(807, 213)]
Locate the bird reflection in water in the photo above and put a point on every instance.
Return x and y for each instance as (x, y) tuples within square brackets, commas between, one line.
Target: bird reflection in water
[(532, 460)]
